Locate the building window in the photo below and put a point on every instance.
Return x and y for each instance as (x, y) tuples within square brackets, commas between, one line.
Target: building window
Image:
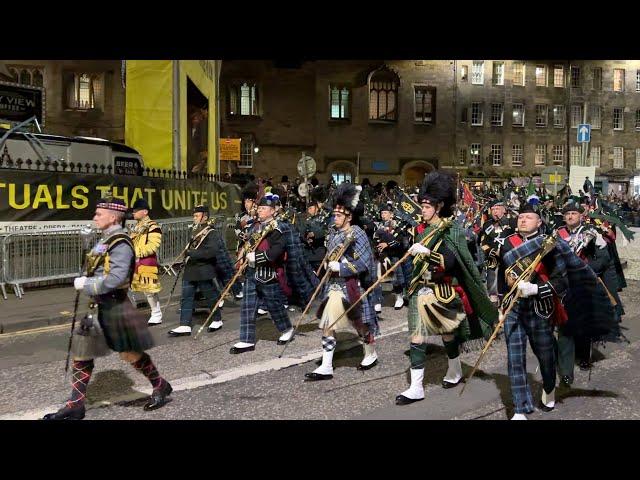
[(475, 154), (541, 115), (597, 78), (462, 156), (27, 75), (558, 154), (541, 75), (558, 116), (558, 76), (576, 115), (497, 114), (595, 155), (340, 98), (498, 73), (477, 115), (575, 77), (425, 104), (84, 91), (618, 79), (477, 72), (618, 119), (518, 73), (516, 155), (247, 145), (341, 177), (518, 115), (637, 119), (618, 157), (243, 99), (576, 155), (595, 113), (541, 156), (464, 73), (496, 155), (637, 80), (383, 93)]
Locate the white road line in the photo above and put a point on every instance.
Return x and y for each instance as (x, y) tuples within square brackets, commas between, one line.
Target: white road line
[(197, 381)]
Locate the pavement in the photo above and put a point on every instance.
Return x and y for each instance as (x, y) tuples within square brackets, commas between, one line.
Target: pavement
[(209, 383)]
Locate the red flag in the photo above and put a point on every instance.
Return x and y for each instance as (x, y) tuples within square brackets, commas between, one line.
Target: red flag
[(467, 197)]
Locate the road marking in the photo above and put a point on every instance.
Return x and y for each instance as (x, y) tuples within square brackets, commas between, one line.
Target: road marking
[(201, 380)]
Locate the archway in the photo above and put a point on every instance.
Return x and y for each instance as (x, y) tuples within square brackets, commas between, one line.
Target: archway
[(413, 172), (341, 171)]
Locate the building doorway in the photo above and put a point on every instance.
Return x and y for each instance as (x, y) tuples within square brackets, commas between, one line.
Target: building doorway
[(341, 171), (413, 173), (198, 133)]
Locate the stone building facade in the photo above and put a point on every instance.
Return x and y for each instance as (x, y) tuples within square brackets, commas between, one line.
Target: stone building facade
[(82, 97), (399, 119)]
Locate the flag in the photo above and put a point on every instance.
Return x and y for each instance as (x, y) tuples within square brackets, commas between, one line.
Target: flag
[(531, 188), (467, 196)]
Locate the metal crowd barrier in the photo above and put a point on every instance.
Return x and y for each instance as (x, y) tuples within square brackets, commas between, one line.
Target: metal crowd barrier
[(35, 257)]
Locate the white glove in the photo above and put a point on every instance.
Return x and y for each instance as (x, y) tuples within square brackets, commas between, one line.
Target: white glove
[(78, 283), (334, 266), (251, 258), (528, 289), (417, 248)]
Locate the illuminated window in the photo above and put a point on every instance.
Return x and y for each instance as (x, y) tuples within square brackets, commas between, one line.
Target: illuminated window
[(383, 94), (518, 73), (424, 104), (84, 91), (464, 73), (243, 100), (558, 76), (518, 115), (339, 102), (618, 79), (541, 76), (475, 154), (541, 155), (477, 72), (558, 116)]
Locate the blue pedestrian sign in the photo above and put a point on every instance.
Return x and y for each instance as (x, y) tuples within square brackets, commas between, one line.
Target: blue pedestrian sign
[(584, 133)]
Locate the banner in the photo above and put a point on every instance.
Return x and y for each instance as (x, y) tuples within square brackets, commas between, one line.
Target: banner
[(31, 200)]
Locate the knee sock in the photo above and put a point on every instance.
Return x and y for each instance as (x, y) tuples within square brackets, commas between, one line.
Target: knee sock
[(149, 370), (451, 347), (81, 375), (418, 355)]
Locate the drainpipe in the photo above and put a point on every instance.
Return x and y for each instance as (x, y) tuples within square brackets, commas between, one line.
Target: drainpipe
[(176, 115)]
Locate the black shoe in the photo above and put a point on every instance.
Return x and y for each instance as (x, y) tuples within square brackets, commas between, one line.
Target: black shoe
[(171, 333), (367, 367), (159, 397), (66, 413), (236, 350), (566, 381), (544, 408), (585, 365), (314, 377), (402, 400), (446, 384)]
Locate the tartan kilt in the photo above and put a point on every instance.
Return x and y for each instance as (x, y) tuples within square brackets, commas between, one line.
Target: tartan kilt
[(124, 328)]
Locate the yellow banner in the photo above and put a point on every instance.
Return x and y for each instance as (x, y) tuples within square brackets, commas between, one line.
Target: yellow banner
[(230, 149), (149, 106)]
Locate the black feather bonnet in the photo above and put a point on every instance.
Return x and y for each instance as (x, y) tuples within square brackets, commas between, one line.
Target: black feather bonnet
[(438, 187)]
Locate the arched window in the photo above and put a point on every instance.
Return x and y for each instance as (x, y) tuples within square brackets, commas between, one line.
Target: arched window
[(37, 78), (383, 95), (16, 75), (25, 77)]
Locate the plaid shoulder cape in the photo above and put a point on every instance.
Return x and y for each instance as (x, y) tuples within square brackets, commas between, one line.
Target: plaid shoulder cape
[(588, 306), (300, 275), (486, 314)]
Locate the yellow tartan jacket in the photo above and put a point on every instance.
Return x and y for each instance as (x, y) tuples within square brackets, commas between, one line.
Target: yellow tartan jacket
[(146, 237)]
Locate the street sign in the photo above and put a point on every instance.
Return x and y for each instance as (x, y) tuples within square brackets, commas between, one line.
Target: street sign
[(584, 133), (554, 179), (306, 166)]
